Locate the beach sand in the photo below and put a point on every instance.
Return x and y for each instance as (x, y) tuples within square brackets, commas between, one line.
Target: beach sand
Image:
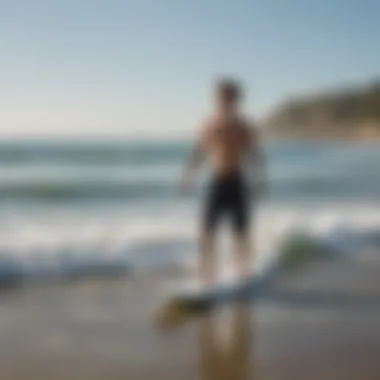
[(319, 322)]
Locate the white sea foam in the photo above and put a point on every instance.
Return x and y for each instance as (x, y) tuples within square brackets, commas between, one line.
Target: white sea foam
[(39, 247)]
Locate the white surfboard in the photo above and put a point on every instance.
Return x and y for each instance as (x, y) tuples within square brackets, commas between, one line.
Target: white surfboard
[(184, 300)]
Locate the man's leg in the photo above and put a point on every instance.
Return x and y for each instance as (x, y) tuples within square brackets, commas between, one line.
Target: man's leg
[(212, 212), (242, 232)]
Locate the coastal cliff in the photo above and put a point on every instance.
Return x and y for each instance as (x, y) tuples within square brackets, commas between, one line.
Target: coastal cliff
[(344, 113)]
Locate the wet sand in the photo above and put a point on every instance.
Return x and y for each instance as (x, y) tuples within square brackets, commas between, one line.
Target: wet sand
[(318, 322)]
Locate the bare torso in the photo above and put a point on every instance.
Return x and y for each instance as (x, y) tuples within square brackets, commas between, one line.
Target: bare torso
[(227, 141)]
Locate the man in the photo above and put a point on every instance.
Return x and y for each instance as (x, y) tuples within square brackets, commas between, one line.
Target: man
[(231, 144)]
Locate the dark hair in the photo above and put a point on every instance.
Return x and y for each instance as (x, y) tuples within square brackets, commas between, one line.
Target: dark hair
[(229, 88)]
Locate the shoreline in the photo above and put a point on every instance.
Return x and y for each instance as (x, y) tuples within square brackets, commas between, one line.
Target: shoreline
[(318, 321)]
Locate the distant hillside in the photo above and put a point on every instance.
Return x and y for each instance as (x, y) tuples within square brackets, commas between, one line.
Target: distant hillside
[(344, 113)]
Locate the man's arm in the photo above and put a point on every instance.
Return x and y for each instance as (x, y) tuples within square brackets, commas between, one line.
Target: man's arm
[(193, 162), (258, 162)]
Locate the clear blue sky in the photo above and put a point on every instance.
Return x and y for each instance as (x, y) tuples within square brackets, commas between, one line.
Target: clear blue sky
[(144, 67)]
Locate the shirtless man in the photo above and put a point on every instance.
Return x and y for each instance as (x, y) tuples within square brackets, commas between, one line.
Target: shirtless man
[(231, 144)]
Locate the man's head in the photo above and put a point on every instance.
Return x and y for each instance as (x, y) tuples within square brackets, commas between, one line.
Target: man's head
[(228, 93)]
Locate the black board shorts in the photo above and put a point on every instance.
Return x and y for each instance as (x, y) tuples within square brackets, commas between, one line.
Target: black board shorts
[(227, 196)]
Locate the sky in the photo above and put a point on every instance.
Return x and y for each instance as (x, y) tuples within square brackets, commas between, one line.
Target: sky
[(145, 68)]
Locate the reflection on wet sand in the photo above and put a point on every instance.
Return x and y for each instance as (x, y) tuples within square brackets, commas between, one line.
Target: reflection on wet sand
[(225, 351)]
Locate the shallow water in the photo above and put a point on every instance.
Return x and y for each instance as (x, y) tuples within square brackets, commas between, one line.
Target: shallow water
[(83, 207)]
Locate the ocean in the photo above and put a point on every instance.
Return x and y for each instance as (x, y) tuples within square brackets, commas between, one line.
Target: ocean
[(72, 208)]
